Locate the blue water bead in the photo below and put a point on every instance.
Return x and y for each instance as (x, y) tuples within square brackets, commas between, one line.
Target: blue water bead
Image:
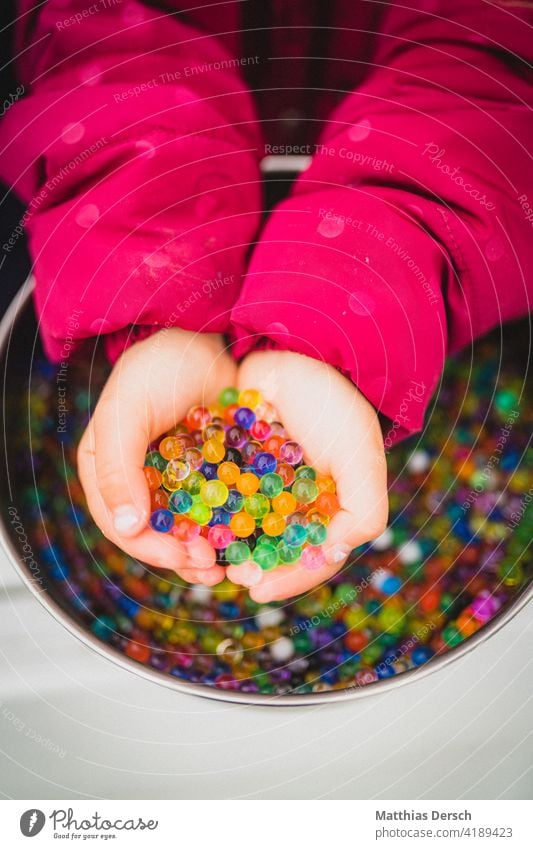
[(220, 517), (209, 471), (463, 531), (264, 463), (129, 606), (510, 460), (421, 655), (162, 520), (391, 585), (178, 672), (229, 610), (244, 417), (338, 629), (330, 676), (385, 670), (59, 571)]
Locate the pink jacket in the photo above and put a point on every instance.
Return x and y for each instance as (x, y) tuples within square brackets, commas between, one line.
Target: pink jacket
[(137, 144)]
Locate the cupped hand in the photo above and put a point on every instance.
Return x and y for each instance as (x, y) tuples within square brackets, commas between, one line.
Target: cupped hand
[(341, 437), (151, 387)]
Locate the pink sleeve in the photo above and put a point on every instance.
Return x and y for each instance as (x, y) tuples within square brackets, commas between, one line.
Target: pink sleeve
[(410, 233), (136, 149)]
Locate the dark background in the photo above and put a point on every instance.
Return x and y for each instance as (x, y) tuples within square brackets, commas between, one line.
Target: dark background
[(15, 264)]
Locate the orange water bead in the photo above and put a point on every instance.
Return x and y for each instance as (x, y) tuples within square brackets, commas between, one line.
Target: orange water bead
[(325, 483), (248, 483), (284, 503), (158, 500), (242, 524), (171, 448), (252, 640), (138, 651), (315, 515), (273, 444), (430, 601), (286, 473), (153, 477), (217, 412), (229, 413), (327, 503), (229, 473), (355, 641), (273, 524), (136, 587), (197, 418), (466, 624)]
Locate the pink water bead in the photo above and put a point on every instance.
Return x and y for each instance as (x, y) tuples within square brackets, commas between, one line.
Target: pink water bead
[(484, 606), (291, 452), (220, 536), (313, 557)]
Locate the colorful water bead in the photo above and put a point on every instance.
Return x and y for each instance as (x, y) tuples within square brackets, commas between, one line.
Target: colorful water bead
[(180, 501), (214, 493), (459, 557), (231, 469), (162, 521)]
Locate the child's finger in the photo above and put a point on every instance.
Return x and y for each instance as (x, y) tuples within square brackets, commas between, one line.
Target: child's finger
[(208, 577), (163, 551), (200, 554), (287, 581), (120, 438)]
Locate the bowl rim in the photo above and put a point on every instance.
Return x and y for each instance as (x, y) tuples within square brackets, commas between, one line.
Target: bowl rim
[(19, 304)]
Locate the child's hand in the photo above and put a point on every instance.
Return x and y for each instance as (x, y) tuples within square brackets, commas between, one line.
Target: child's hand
[(151, 387), (340, 434)]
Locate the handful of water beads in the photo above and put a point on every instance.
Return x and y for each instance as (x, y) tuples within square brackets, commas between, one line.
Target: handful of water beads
[(231, 473)]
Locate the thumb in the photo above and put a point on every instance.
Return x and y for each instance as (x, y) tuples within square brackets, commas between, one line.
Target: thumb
[(120, 437)]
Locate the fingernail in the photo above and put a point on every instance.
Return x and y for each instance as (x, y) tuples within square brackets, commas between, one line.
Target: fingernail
[(249, 574), (125, 518), (338, 553)]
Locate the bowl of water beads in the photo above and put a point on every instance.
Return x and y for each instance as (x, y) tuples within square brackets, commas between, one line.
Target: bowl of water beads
[(453, 566), (231, 473)]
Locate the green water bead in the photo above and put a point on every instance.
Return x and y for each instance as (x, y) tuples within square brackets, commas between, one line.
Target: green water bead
[(451, 635), (200, 513), (302, 642), (506, 401), (344, 593), (271, 484), (266, 556), (237, 553), (316, 533), (265, 539), (304, 490), (288, 554), (154, 458), (257, 505), (305, 472), (228, 396), (193, 483)]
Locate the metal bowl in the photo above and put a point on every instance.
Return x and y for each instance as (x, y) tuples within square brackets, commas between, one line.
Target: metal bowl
[(18, 347)]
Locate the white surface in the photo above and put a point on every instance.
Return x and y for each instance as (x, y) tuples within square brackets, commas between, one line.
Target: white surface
[(73, 725)]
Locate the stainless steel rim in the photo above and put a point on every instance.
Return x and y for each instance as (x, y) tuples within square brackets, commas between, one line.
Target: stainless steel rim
[(7, 327)]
